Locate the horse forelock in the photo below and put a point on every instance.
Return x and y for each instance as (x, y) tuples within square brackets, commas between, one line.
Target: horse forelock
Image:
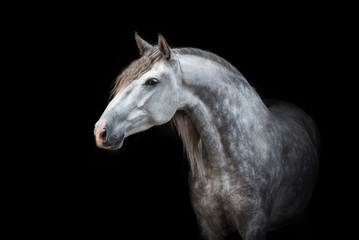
[(136, 69)]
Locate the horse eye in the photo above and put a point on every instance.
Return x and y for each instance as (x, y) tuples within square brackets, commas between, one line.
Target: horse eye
[(151, 82)]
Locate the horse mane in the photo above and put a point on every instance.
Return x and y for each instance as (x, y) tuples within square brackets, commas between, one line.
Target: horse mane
[(191, 141)]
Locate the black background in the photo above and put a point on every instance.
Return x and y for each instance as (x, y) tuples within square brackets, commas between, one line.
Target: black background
[(67, 58)]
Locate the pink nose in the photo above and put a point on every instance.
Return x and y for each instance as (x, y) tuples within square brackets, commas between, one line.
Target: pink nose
[(101, 134)]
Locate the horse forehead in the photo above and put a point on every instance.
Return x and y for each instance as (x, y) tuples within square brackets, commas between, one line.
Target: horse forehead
[(156, 70), (160, 66)]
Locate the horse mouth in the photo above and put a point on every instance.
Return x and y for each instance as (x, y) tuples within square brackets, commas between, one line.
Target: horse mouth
[(118, 144)]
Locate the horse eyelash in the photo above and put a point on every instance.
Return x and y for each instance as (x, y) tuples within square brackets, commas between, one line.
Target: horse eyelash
[(151, 82)]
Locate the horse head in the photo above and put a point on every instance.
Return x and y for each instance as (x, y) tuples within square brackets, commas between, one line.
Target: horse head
[(145, 95)]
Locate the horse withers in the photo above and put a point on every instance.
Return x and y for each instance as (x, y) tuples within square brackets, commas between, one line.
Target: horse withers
[(253, 164)]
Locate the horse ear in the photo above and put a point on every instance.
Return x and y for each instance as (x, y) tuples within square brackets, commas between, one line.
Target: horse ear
[(142, 45), (164, 48)]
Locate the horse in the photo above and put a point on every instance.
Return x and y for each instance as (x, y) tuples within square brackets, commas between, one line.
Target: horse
[(253, 163)]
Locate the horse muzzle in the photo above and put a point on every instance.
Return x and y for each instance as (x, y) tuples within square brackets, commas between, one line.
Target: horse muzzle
[(106, 138)]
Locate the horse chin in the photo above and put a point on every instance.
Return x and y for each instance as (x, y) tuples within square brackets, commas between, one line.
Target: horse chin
[(114, 146), (118, 144)]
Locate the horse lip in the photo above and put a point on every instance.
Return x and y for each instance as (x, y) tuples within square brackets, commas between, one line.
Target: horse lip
[(114, 146), (118, 144)]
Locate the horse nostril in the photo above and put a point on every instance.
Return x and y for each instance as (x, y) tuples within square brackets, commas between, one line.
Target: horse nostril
[(103, 134), (100, 133)]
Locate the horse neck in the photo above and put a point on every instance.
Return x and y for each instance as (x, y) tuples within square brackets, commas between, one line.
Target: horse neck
[(220, 112)]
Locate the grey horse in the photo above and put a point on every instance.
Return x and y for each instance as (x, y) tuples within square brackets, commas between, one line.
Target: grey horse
[(253, 164)]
